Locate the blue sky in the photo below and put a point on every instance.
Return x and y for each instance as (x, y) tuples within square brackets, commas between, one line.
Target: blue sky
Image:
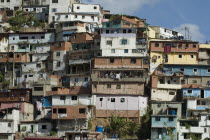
[(173, 14)]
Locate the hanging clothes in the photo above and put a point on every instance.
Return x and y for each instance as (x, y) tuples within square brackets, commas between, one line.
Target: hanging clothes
[(167, 49)]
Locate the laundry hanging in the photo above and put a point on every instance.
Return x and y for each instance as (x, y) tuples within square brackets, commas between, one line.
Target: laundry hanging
[(167, 49)]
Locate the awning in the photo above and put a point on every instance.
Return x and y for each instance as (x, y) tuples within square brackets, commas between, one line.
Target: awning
[(68, 33)]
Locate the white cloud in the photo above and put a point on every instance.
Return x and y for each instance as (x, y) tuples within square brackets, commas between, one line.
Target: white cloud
[(194, 32), (122, 6)]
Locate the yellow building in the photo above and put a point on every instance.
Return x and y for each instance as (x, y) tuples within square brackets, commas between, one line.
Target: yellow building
[(172, 52)]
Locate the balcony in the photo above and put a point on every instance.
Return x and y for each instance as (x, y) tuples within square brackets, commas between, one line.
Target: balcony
[(96, 78), (119, 76), (204, 55)]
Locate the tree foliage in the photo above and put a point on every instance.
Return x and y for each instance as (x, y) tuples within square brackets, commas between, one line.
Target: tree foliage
[(121, 128), (23, 19)]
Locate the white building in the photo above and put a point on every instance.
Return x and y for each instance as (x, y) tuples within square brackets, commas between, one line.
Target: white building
[(72, 100), (163, 33), (32, 38), (3, 43), (10, 4), (197, 127), (9, 125), (122, 42)]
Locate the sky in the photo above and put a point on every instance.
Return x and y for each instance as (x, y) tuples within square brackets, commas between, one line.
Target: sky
[(171, 14)]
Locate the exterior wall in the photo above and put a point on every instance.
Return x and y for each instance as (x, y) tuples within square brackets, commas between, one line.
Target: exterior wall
[(16, 57), (72, 125), (162, 133), (16, 95), (63, 6), (37, 127), (42, 92), (87, 8), (33, 67), (164, 122), (119, 48), (33, 38), (202, 70), (72, 112), (14, 120), (173, 58), (81, 100), (126, 88), (39, 57), (161, 108), (12, 4), (83, 17), (3, 44), (164, 95), (120, 63), (130, 102), (167, 82)]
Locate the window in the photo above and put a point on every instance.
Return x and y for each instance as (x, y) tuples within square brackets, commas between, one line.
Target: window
[(109, 42), (189, 91), (203, 103), (42, 37), (41, 75), (112, 50), (54, 110), (124, 31), (171, 119), (124, 41), (157, 118), (38, 65), (23, 37), (194, 45), (101, 99), (122, 100), (66, 16), (171, 93), (94, 86), (38, 88), (129, 31), (62, 97), (95, 7), (2, 1), (86, 79), (9, 125), (194, 81), (54, 10), (192, 56), (76, 80), (111, 60), (25, 76), (62, 110), (30, 76), (125, 50), (82, 111), (109, 86), (78, 7), (118, 87), (73, 97), (58, 64), (75, 16), (54, 1), (156, 44), (182, 70), (44, 126), (195, 70), (133, 61), (208, 70), (180, 56), (112, 99), (58, 53), (107, 31), (18, 55), (83, 17), (33, 37)]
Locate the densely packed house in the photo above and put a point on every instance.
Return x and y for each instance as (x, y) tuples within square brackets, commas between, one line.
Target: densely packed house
[(73, 70)]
